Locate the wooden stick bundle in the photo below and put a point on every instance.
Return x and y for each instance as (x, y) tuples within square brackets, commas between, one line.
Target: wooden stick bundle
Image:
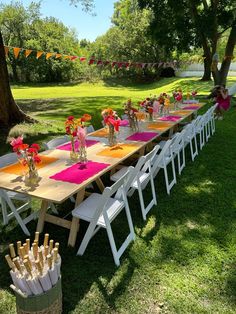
[(37, 268)]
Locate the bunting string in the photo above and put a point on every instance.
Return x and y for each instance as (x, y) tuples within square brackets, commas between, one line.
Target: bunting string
[(92, 61)]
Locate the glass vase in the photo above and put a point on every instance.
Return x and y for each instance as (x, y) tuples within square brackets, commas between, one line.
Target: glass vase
[(31, 176), (111, 136), (82, 152), (133, 123), (74, 155)]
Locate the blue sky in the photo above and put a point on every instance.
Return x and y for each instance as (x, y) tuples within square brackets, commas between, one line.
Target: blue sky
[(86, 25)]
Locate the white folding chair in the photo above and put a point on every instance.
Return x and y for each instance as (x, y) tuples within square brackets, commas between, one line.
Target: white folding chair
[(8, 207), (56, 142), (190, 137), (90, 129), (199, 128), (100, 210), (139, 178), (212, 119), (161, 161)]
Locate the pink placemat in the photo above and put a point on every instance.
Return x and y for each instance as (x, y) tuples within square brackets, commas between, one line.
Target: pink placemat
[(68, 145), (191, 107), (170, 118), (142, 136), (80, 172)]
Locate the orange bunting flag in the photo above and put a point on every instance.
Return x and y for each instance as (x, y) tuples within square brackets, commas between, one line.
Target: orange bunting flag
[(66, 57), (27, 52), (39, 54), (48, 55), (58, 55), (6, 50), (16, 52)]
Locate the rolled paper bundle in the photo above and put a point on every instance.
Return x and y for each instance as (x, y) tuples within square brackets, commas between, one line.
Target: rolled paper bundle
[(51, 245), (14, 278), (35, 250), (57, 261), (26, 257), (41, 257), (23, 286), (57, 246), (46, 238), (25, 245), (10, 263), (39, 267), (28, 244), (22, 252), (35, 286), (18, 243), (52, 271), (46, 249), (12, 250), (17, 264), (27, 267), (36, 236), (45, 281)]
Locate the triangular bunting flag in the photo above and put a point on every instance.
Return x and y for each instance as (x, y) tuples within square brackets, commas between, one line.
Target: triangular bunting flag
[(16, 52), (113, 63), (106, 62), (48, 55), (58, 55), (39, 54), (91, 61), (73, 58), (6, 50), (27, 52), (66, 57), (99, 62), (82, 59)]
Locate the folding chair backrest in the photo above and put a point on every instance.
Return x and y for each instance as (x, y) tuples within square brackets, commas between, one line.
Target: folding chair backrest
[(7, 159), (176, 141), (117, 187), (143, 164), (160, 158), (56, 142), (90, 129)]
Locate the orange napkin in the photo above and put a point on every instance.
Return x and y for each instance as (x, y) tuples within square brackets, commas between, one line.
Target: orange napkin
[(118, 151), (100, 133), (181, 112), (19, 169), (160, 126)]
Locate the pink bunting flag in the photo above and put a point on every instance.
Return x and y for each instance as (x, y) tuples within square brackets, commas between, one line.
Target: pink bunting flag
[(91, 61), (82, 59), (113, 63)]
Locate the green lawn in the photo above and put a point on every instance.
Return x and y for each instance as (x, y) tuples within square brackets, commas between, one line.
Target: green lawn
[(183, 259)]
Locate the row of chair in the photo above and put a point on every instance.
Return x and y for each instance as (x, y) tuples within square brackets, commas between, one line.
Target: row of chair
[(101, 209)]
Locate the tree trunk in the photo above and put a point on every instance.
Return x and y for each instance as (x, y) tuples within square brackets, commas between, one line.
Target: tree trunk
[(207, 69), (229, 50), (10, 113)]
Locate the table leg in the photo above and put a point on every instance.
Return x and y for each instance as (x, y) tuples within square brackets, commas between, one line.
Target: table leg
[(100, 184), (42, 213), (79, 197)]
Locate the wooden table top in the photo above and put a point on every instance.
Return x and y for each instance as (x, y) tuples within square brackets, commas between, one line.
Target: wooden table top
[(58, 191)]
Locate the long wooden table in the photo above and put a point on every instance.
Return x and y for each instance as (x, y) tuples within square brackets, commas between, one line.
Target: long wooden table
[(49, 190)]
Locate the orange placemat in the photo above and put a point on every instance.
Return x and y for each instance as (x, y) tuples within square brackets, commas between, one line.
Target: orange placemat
[(181, 112), (100, 133), (160, 126), (18, 168), (118, 151)]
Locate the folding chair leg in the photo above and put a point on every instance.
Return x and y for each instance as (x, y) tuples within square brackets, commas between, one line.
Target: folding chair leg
[(87, 237), (171, 184), (140, 193), (4, 212), (18, 218), (113, 244), (181, 165)]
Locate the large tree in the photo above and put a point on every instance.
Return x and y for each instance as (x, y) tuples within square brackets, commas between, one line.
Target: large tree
[(186, 24), (10, 113)]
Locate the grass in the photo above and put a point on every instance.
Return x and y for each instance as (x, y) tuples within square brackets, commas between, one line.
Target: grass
[(183, 259)]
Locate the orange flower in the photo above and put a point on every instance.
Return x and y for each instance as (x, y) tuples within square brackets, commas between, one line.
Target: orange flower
[(86, 117)]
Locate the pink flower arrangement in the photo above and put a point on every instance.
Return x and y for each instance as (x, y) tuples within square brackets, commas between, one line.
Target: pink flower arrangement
[(194, 93), (110, 118), (27, 154)]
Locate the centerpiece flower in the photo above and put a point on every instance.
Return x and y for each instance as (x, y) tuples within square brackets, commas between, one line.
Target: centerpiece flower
[(194, 93), (27, 156), (131, 113), (112, 121), (76, 129), (178, 96)]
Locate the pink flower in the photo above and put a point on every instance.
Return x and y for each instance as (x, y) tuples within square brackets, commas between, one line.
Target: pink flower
[(37, 159), (70, 118), (35, 146), (17, 141)]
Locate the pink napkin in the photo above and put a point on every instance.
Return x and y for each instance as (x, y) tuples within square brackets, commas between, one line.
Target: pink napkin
[(170, 118), (80, 172), (68, 145), (142, 136), (191, 107), (124, 122)]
